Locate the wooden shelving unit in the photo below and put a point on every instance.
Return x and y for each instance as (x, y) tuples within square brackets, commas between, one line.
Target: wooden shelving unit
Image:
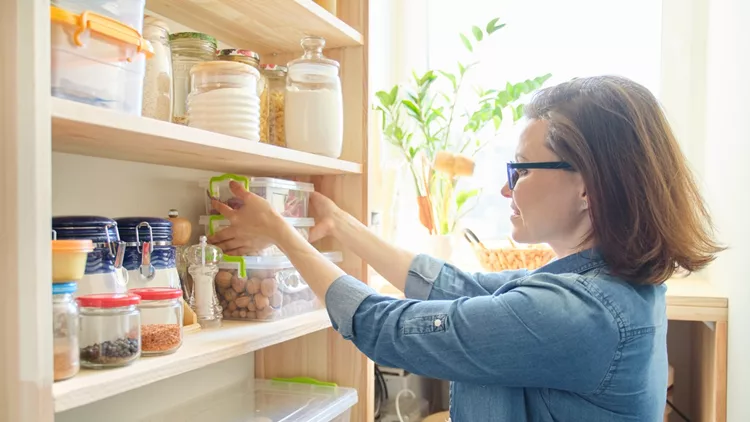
[(34, 125)]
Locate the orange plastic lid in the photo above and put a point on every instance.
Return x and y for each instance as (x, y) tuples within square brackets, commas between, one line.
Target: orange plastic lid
[(72, 246), (103, 25)]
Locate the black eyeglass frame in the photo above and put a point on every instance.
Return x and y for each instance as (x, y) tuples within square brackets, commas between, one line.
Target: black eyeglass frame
[(545, 165)]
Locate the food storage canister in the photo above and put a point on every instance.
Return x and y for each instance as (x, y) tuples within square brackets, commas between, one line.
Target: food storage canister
[(97, 60), (264, 288), (313, 105), (110, 333), (69, 258), (161, 319), (288, 197), (223, 98), (104, 270), (273, 104), (65, 331), (129, 12), (213, 224), (150, 257), (157, 83), (188, 49)]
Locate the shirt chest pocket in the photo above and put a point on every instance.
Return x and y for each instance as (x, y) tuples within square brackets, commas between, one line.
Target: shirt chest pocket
[(425, 324)]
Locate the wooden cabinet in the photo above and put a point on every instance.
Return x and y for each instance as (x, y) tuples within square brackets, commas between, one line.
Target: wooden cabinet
[(54, 150)]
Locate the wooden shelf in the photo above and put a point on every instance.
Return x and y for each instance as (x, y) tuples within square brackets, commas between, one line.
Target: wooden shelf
[(198, 350), (92, 131), (265, 26), (696, 299)]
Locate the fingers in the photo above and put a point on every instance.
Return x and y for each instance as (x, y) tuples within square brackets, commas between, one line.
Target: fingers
[(223, 209), (238, 190), (231, 244), (222, 235)]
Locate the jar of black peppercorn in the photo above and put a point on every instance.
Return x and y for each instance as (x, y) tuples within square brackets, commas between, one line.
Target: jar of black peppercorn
[(110, 330)]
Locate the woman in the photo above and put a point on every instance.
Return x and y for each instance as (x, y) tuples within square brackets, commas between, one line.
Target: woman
[(598, 176)]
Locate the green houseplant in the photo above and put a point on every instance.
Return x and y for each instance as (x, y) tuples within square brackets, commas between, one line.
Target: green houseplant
[(438, 138)]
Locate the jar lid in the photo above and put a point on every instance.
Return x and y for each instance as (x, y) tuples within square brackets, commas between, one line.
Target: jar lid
[(223, 68), (157, 293), (76, 221), (193, 35), (108, 300), (237, 52), (273, 67), (72, 246), (64, 288)]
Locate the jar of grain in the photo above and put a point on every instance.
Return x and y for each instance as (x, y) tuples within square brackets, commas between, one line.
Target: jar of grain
[(157, 82), (65, 331), (110, 332), (275, 77), (188, 49), (161, 320)]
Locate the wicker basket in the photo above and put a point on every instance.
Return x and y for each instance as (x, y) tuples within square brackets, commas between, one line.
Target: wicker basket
[(512, 257)]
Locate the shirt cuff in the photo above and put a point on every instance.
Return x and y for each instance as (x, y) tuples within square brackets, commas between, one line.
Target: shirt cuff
[(423, 272), (342, 301)]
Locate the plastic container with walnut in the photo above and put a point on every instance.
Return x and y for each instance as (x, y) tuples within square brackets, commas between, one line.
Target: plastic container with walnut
[(263, 288)]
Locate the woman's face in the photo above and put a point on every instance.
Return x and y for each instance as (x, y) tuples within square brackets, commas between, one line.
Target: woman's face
[(549, 205)]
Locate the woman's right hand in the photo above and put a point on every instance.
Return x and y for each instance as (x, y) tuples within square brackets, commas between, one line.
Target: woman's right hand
[(325, 213)]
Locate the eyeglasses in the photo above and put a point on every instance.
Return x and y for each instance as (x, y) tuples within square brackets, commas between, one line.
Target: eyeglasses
[(514, 167)]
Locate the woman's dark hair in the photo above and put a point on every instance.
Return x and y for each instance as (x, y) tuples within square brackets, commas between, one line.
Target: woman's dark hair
[(649, 219)]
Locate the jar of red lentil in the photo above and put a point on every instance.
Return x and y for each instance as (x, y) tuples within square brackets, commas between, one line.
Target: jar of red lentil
[(161, 320)]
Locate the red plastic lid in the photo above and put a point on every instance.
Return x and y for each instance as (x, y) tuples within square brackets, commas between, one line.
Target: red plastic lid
[(108, 300), (157, 293)]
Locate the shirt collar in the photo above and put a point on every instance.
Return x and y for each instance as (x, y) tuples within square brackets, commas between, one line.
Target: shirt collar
[(579, 263)]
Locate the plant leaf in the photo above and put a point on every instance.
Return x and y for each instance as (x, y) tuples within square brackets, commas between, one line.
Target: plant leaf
[(492, 26), (498, 120), (413, 109), (461, 69), (450, 77), (478, 34), (384, 98), (463, 196), (467, 43)]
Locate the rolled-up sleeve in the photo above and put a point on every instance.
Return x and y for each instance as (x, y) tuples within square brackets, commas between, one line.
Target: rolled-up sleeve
[(515, 338), (433, 279)]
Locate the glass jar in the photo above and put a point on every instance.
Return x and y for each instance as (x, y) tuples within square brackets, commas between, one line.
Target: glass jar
[(157, 82), (188, 49), (224, 99), (275, 77), (110, 333), (161, 320), (65, 331), (313, 104)]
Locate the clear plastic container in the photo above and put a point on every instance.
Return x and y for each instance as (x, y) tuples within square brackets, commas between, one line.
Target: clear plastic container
[(264, 288), (110, 334), (69, 259), (224, 99), (161, 320), (188, 49), (313, 105), (215, 223), (289, 198), (65, 331), (129, 12), (97, 60), (272, 105)]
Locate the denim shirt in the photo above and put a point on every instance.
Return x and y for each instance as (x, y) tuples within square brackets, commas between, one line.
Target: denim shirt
[(566, 342)]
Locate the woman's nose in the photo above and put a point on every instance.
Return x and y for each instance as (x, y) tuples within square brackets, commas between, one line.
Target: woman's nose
[(505, 191)]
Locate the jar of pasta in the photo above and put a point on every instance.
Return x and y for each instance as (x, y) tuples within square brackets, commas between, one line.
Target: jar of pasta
[(275, 78)]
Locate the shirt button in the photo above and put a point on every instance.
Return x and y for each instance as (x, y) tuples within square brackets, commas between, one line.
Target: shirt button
[(438, 323)]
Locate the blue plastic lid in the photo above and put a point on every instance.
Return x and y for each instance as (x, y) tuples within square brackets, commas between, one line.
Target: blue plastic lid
[(161, 228), (64, 288), (74, 221)]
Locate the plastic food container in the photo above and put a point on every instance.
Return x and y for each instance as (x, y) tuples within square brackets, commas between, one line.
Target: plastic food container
[(65, 331), (129, 12), (161, 320), (104, 270), (150, 258), (215, 223), (289, 198), (264, 288), (97, 60), (69, 259), (110, 332)]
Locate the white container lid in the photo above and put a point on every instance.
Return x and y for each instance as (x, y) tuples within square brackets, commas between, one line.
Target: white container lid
[(280, 262), (220, 220), (270, 182)]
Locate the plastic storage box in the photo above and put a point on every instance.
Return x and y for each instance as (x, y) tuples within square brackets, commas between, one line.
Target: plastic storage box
[(289, 198), (97, 60), (129, 12), (264, 288), (215, 223), (270, 401)]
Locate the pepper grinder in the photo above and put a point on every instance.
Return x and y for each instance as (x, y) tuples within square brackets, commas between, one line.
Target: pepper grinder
[(203, 260)]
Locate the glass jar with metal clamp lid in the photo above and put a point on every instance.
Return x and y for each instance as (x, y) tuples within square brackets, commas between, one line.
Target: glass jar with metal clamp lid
[(150, 256), (104, 265)]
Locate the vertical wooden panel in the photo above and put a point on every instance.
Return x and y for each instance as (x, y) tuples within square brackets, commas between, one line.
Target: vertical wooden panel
[(25, 255), (720, 371)]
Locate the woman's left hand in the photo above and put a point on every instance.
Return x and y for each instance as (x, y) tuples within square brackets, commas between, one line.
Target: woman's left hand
[(254, 226)]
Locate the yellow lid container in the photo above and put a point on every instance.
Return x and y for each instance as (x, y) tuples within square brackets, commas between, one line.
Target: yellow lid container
[(69, 259)]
